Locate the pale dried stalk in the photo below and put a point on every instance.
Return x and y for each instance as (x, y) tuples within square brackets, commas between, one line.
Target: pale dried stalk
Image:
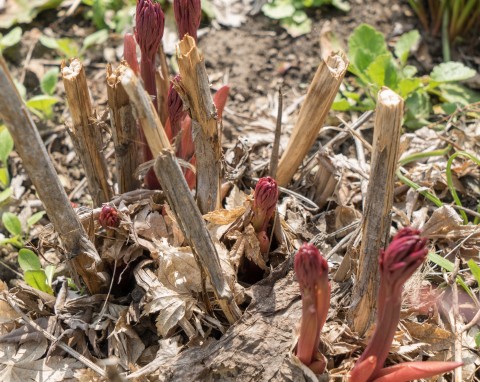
[(314, 111), (193, 227), (163, 84), (80, 252), (326, 179), (147, 115), (195, 92), (86, 136), (376, 216), (124, 131)]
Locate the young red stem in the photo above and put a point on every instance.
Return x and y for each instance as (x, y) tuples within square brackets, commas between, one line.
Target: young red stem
[(410, 371)]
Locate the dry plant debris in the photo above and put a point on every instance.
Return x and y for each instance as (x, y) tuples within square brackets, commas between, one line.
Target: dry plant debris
[(168, 291)]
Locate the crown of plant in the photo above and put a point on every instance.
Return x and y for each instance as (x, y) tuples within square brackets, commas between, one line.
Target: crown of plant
[(188, 14)]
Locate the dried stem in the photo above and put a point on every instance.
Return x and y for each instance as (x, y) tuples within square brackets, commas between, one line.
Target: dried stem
[(193, 226), (313, 113), (378, 204), (86, 136), (194, 89), (81, 253), (124, 130), (163, 84), (146, 113), (278, 134)]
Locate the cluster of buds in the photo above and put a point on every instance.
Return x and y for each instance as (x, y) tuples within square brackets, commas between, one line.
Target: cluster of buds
[(188, 14), (397, 263), (312, 275), (109, 217)]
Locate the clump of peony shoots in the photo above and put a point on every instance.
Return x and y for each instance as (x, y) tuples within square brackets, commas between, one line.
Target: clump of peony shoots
[(397, 263)]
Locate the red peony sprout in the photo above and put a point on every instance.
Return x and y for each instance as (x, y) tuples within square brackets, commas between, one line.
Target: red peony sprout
[(397, 263), (264, 203), (312, 274), (175, 108), (109, 217), (188, 14), (130, 52), (150, 22)]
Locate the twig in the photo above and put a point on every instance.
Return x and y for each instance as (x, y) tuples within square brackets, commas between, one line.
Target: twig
[(124, 130), (378, 205), (86, 136), (193, 226), (194, 89), (80, 252), (313, 113), (54, 339), (278, 134)]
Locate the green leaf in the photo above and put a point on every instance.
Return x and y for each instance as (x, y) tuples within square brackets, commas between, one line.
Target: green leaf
[(28, 260), (441, 261), (6, 145), (23, 12), (409, 71), (5, 195), (12, 223), (35, 218), (99, 37), (405, 44), (48, 42), (475, 269), (477, 340), (278, 9), (383, 72), (4, 177), (418, 109), (365, 44), (11, 38), (451, 72), (50, 272), (408, 85), (342, 5), (296, 29), (43, 103), (49, 81), (458, 94), (38, 280)]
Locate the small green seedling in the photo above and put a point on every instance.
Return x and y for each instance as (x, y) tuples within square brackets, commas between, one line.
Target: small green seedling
[(375, 66), (33, 273), (69, 48), (13, 225)]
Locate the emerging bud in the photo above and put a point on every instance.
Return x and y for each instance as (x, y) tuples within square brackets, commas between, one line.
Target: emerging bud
[(175, 107), (150, 22), (402, 257), (410, 371), (130, 52), (397, 263), (264, 203), (109, 217), (188, 14), (312, 274)]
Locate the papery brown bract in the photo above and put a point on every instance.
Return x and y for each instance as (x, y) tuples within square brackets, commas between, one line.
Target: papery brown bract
[(188, 14)]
